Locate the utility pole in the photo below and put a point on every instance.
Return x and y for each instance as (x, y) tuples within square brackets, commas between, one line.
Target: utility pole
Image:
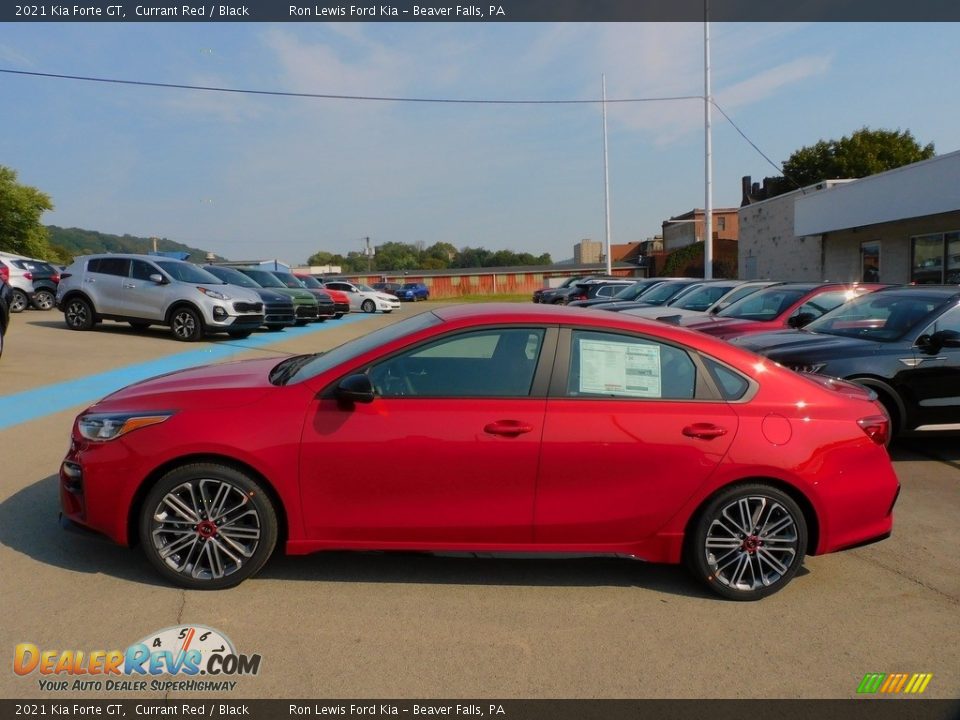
[(369, 253), (606, 174), (708, 147)]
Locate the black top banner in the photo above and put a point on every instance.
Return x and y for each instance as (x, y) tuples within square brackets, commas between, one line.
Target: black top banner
[(487, 11)]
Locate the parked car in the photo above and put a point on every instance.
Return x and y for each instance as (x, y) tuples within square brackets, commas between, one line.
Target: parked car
[(341, 303), (146, 290), (593, 289), (546, 295), (777, 307), (658, 295), (325, 306), (304, 304), (45, 278), (627, 293), (278, 312), (561, 295), (707, 299), (412, 292), (20, 281), (363, 297), (6, 297), (901, 342), (736, 478)]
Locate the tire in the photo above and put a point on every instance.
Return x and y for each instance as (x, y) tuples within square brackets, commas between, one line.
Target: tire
[(275, 328), (44, 300), (186, 325), (747, 542), (239, 334), (78, 314), (139, 324), (387, 312), (19, 302), (205, 555), (368, 306), (338, 316)]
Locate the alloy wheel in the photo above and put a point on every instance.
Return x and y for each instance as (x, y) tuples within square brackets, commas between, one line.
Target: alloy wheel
[(19, 301)]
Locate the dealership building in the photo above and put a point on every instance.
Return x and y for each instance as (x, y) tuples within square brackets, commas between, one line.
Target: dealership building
[(900, 226)]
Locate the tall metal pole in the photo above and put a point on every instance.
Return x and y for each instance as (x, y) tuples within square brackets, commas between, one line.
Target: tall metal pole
[(708, 160), (606, 174)]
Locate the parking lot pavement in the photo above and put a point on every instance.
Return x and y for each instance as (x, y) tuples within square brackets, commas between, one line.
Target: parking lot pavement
[(408, 625)]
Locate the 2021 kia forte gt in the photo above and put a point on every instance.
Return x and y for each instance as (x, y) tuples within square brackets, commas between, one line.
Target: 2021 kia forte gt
[(497, 428)]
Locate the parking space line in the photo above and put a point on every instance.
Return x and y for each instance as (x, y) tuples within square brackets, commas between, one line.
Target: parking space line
[(46, 400)]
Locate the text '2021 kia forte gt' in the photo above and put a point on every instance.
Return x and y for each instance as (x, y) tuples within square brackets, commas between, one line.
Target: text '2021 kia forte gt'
[(496, 428)]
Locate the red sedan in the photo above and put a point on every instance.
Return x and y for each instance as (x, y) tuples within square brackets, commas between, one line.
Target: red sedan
[(786, 305), (497, 428)]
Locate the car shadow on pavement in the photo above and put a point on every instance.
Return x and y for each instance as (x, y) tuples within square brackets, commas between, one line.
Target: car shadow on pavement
[(28, 525), (944, 448)]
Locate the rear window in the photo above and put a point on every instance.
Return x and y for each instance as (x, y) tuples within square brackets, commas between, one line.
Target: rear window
[(732, 385)]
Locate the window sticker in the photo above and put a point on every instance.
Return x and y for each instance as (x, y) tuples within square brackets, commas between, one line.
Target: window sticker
[(617, 368)]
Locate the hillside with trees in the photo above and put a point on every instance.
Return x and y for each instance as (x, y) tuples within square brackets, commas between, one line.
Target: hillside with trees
[(392, 256), (75, 241)]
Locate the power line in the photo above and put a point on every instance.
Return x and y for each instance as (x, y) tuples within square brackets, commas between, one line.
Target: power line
[(330, 96)]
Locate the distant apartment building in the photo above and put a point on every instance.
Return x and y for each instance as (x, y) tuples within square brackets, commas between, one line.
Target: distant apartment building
[(686, 229), (588, 251)]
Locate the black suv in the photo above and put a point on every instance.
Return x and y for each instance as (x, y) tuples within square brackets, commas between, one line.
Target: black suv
[(901, 342), (6, 298)]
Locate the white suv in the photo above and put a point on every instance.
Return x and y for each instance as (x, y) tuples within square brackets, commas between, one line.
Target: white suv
[(146, 290)]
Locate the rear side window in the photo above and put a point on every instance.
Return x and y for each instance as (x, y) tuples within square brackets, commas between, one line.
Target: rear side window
[(109, 266), (609, 365), (732, 385)]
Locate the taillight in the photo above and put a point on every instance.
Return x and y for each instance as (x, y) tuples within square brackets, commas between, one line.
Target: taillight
[(28, 276), (4, 273), (55, 277), (876, 427)]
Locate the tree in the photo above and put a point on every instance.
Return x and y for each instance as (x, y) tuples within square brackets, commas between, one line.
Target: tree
[(865, 152), (21, 206)]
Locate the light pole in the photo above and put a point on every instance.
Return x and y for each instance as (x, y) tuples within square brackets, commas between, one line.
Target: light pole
[(606, 175), (708, 151)]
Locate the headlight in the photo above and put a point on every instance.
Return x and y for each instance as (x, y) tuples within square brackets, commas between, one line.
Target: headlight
[(109, 426), (809, 368), (215, 294)]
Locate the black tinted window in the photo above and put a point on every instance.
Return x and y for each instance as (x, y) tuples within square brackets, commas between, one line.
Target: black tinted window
[(143, 270), (732, 384), (109, 266)]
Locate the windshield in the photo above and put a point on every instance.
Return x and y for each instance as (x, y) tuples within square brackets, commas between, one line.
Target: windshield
[(738, 294), (877, 316), (185, 272), (659, 294), (234, 277), (288, 279), (310, 281), (409, 286), (764, 305), (263, 278), (360, 345), (702, 297)]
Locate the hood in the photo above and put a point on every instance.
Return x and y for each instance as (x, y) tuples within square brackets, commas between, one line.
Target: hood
[(385, 296), (221, 385), (668, 314), (268, 295), (801, 344), (299, 295)]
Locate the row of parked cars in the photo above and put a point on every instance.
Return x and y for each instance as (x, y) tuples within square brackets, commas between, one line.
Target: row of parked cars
[(901, 342), (33, 283), (194, 301)]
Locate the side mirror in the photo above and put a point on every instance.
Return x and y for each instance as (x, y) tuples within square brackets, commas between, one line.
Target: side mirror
[(158, 279), (355, 388), (932, 344), (799, 321)]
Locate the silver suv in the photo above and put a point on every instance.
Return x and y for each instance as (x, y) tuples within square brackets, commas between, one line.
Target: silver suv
[(19, 280), (146, 290)]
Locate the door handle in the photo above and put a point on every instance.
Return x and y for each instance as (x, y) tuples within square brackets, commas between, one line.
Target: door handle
[(704, 431), (129, 285), (509, 428)]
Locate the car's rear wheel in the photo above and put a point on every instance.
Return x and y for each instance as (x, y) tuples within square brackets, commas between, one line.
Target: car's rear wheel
[(19, 302), (747, 542), (78, 315), (186, 324), (207, 526), (43, 300), (368, 306)]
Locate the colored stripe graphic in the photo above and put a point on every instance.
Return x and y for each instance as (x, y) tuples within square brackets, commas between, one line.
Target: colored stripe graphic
[(894, 683), (45, 400)]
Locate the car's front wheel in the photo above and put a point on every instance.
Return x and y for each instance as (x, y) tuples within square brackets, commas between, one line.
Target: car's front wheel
[(747, 542), (207, 526), (368, 306), (186, 324)]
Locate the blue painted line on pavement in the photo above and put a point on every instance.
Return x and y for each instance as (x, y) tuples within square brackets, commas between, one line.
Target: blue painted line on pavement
[(49, 399)]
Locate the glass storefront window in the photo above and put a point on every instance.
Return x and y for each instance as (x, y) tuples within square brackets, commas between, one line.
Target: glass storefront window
[(870, 261), (953, 258), (928, 252)]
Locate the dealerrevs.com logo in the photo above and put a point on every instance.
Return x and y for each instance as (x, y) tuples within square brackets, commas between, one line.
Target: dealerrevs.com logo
[(200, 657)]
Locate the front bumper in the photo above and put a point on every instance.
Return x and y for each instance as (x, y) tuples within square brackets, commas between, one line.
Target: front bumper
[(326, 309), (279, 315), (387, 304), (307, 312)]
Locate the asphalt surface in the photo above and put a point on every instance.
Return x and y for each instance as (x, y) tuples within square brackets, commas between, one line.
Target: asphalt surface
[(343, 625)]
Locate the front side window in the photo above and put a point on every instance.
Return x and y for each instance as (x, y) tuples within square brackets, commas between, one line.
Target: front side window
[(950, 320), (824, 303), (484, 363), (619, 366), (142, 270)]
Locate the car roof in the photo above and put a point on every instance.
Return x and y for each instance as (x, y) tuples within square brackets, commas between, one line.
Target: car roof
[(945, 291)]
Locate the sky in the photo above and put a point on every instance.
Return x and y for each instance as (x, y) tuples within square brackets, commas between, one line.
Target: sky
[(262, 177)]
